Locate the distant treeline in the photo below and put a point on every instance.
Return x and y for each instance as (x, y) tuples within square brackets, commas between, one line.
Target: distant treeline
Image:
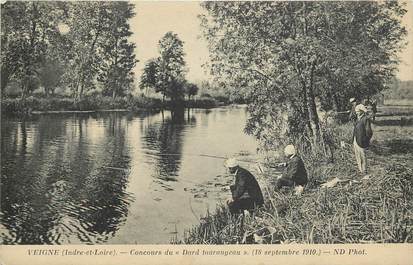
[(400, 90)]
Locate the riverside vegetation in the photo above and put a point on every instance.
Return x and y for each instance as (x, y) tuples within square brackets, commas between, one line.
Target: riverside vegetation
[(377, 210), (298, 64), (133, 103), (75, 56), (290, 61)]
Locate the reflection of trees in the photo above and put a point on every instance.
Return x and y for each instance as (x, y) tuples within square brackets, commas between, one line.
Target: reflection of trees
[(105, 201), (25, 210), (165, 138), (64, 178)]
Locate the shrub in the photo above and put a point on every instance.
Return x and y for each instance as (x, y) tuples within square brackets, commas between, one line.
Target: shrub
[(142, 102), (10, 105), (206, 103)]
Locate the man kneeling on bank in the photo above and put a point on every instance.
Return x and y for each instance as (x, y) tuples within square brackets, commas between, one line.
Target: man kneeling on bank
[(295, 174), (246, 193)]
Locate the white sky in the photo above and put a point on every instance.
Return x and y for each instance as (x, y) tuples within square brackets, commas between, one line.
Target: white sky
[(154, 18)]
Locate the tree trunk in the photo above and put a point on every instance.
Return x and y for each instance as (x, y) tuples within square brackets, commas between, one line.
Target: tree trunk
[(113, 93), (4, 78), (82, 87), (305, 110), (312, 110)]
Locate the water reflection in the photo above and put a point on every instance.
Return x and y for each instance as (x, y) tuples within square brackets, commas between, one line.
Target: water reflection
[(164, 140), (67, 189), (112, 177)]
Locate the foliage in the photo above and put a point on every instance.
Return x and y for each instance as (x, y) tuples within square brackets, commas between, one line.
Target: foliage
[(149, 75), (119, 58), (190, 89), (166, 73), (50, 75), (67, 44), (399, 90), (27, 30), (354, 211), (31, 103), (282, 56), (202, 102)]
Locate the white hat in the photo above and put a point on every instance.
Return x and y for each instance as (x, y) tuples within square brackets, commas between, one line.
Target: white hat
[(289, 150), (352, 100), (360, 107), (231, 162)]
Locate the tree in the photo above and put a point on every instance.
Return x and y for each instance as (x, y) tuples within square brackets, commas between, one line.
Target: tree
[(190, 89), (71, 44), (283, 55), (87, 22), (118, 53), (50, 75), (166, 73), (28, 28), (149, 75)]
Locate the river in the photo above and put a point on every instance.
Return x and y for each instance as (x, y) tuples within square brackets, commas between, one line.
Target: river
[(115, 178)]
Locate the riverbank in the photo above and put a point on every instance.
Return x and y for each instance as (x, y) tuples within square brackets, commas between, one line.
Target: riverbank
[(377, 210), (37, 105)]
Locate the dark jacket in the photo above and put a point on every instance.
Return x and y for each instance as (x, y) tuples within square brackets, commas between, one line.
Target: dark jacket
[(362, 131), (246, 186), (296, 171)]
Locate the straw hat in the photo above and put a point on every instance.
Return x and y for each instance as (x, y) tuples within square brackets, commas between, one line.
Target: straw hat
[(360, 107), (231, 162), (289, 150)]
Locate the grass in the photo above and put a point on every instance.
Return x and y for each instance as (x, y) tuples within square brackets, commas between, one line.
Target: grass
[(203, 102), (59, 103), (399, 102), (15, 105), (378, 210)]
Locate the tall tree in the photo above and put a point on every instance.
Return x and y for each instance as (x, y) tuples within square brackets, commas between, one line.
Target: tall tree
[(166, 73), (87, 22), (149, 75), (118, 53), (28, 28), (282, 55)]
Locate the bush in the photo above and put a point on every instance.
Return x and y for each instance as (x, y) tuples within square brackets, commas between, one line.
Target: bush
[(10, 105), (97, 102), (142, 102), (203, 103), (223, 99)]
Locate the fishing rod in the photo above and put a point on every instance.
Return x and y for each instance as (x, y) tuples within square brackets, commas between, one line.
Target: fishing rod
[(187, 154), (193, 154)]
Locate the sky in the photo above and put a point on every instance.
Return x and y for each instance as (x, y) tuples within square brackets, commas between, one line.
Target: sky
[(154, 18)]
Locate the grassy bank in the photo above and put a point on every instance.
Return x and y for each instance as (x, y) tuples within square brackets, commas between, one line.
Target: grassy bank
[(17, 106), (354, 211)]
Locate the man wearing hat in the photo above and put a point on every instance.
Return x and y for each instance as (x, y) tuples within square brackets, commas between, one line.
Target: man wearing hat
[(353, 116), (295, 173), (246, 193), (362, 134)]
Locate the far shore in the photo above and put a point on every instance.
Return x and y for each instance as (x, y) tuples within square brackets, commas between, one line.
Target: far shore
[(60, 105), (77, 111)]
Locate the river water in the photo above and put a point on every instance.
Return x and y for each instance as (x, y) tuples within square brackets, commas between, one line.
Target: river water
[(115, 178)]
